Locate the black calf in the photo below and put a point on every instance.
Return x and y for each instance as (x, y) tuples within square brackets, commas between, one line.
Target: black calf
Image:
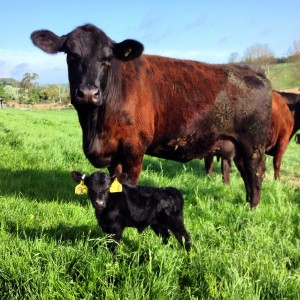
[(138, 207)]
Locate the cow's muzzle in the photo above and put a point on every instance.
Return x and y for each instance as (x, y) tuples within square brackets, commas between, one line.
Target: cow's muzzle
[(86, 93)]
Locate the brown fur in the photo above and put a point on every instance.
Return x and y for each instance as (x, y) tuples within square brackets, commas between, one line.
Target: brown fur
[(131, 104)]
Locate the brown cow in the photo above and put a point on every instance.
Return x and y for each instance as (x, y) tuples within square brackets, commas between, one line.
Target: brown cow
[(130, 104), (285, 121)]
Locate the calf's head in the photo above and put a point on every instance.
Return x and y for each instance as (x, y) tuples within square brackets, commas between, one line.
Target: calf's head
[(90, 53), (99, 186)]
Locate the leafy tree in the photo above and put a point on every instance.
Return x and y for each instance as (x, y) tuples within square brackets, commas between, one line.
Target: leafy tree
[(57, 93), (52, 92), (260, 55), (29, 89), (233, 57), (11, 92), (294, 52), (9, 81), (295, 58), (3, 94), (35, 95), (28, 81)]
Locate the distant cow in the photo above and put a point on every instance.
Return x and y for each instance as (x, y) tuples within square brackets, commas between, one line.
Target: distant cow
[(285, 121), (138, 207), (293, 102), (130, 104)]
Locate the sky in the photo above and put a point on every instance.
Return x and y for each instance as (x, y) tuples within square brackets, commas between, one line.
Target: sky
[(203, 30)]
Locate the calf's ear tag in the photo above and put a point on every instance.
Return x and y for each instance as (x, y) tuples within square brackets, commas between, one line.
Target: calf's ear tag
[(116, 187), (81, 188)]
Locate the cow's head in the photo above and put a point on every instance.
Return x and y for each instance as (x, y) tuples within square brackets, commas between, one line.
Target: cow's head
[(99, 186), (89, 56)]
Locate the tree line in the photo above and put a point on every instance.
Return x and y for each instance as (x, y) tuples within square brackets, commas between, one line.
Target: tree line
[(262, 56), (28, 91)]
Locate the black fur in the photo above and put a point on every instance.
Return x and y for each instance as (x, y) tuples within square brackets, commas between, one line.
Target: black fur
[(138, 207)]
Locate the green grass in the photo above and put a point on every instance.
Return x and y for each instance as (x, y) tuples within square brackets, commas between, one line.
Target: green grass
[(284, 76), (52, 248)]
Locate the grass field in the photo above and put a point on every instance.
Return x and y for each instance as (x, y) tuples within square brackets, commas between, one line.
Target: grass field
[(284, 76), (52, 248)]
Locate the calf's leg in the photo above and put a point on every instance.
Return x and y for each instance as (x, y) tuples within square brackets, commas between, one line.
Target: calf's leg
[(226, 167), (209, 164), (162, 231), (178, 229), (116, 233)]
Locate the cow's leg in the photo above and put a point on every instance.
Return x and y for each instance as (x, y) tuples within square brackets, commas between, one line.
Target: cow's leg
[(209, 164), (278, 154), (255, 167), (115, 169), (276, 165), (132, 166), (239, 162), (226, 167)]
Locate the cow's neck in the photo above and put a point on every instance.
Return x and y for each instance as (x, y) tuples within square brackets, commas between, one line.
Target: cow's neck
[(89, 121), (93, 118)]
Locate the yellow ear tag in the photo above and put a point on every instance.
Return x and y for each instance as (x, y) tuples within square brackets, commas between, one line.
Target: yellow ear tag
[(81, 188), (116, 187), (127, 52)]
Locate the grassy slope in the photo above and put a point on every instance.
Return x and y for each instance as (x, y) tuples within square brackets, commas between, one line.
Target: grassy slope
[(51, 247), (284, 76)]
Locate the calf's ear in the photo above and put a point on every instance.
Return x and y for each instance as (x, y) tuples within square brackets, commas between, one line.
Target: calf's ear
[(77, 176), (128, 50), (47, 41)]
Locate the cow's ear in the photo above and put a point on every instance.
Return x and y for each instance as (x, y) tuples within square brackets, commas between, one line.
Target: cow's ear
[(128, 50), (47, 41), (77, 176)]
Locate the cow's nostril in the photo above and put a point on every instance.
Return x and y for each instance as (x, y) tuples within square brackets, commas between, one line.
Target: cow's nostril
[(80, 93), (88, 93), (95, 95)]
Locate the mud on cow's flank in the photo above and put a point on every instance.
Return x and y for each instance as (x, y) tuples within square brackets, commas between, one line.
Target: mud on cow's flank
[(284, 123)]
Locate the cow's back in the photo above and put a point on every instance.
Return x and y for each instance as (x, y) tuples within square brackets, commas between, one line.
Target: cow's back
[(196, 103), (281, 124)]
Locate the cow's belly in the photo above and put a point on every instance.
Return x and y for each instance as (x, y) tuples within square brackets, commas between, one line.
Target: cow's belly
[(180, 149)]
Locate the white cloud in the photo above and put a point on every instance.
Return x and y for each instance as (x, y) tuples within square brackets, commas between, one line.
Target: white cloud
[(50, 68)]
